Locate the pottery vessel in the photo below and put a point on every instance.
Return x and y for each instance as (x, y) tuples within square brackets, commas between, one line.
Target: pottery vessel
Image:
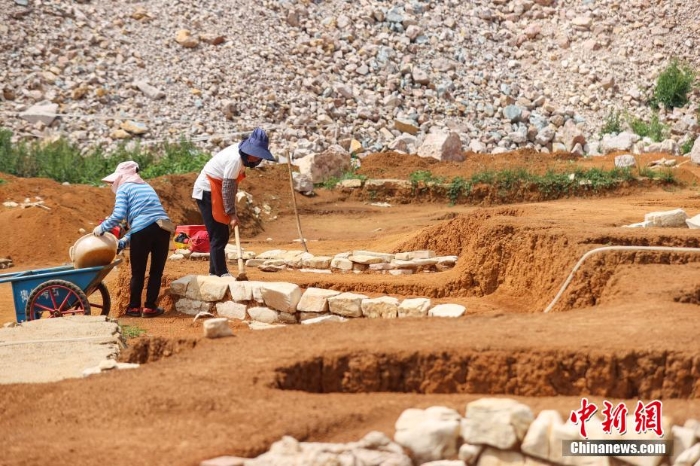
[(93, 251)]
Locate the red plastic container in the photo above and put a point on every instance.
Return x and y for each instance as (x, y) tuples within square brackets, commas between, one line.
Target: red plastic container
[(189, 230)]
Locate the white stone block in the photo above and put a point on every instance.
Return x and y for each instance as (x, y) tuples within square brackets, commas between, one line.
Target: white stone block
[(315, 300), (217, 328), (493, 457), (446, 262), (257, 292), (447, 310), (499, 422), (346, 304), (382, 266), (191, 306), (469, 453), (536, 442), (254, 263), (402, 271), (693, 222), (360, 259), (385, 307), (430, 440), (241, 291), (341, 264), (272, 254), (683, 439), (317, 262), (293, 259), (179, 287), (414, 307), (208, 288), (445, 463), (386, 257), (323, 318), (688, 457), (639, 225), (287, 318), (667, 219), (231, 310), (264, 315), (281, 296), (422, 254), (225, 461)]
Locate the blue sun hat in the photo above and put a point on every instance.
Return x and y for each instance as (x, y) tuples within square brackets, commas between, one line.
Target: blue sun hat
[(257, 145)]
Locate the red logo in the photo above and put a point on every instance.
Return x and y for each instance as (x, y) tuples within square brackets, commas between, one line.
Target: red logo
[(646, 417)]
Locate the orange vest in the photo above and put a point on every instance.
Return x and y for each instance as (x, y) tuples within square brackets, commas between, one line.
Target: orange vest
[(217, 199)]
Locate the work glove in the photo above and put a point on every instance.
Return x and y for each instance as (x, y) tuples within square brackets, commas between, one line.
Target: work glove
[(98, 231), (121, 245)]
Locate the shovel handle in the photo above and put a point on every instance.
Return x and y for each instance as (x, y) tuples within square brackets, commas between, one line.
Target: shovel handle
[(240, 252)]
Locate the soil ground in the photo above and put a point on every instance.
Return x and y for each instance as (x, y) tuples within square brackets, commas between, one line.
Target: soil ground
[(623, 330)]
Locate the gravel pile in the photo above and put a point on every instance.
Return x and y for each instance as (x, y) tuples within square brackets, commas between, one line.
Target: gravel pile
[(503, 74)]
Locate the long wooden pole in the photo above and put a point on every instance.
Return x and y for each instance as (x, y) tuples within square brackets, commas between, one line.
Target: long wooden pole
[(294, 201)]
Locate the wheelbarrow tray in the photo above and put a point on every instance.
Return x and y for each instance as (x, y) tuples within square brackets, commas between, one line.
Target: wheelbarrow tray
[(87, 279)]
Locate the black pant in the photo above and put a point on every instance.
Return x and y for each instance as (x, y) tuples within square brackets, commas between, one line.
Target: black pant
[(219, 235), (153, 241)]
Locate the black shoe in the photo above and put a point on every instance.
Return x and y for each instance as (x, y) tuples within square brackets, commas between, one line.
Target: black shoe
[(133, 312), (152, 312)]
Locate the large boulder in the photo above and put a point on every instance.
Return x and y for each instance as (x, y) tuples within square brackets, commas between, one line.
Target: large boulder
[(331, 163), (442, 146)]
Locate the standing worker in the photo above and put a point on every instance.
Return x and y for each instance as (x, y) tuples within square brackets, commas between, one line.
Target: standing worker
[(149, 234), (215, 192)]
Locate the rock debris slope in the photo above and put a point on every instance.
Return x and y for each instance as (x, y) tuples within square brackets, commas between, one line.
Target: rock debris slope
[(500, 73)]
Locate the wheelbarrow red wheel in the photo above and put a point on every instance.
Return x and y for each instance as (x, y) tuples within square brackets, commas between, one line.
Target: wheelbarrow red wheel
[(100, 300), (56, 298)]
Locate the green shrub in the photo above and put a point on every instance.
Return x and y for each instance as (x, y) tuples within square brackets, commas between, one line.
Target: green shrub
[(612, 123), (673, 85), (655, 130), (486, 176), (425, 177), (665, 175), (457, 188), (687, 146)]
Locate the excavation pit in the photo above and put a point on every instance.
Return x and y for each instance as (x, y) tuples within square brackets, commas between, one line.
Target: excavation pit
[(634, 374)]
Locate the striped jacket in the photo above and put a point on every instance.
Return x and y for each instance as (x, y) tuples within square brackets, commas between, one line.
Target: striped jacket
[(139, 204)]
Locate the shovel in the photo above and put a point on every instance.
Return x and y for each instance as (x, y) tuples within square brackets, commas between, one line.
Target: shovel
[(242, 277)]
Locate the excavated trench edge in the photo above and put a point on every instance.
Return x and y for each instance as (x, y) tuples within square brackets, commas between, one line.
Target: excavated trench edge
[(630, 374)]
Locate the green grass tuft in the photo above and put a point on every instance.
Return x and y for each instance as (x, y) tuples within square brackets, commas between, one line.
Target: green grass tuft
[(132, 331)]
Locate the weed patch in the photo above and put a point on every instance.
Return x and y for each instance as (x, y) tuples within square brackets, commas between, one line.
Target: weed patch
[(612, 123), (673, 85), (655, 130), (63, 161), (132, 331)]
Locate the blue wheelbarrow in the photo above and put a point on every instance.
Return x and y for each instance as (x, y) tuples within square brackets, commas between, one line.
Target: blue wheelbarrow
[(60, 291)]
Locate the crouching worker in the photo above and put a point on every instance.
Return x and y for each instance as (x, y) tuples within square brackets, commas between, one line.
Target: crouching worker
[(148, 235)]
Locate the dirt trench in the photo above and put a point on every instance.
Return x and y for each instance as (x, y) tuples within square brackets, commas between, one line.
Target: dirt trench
[(500, 251), (631, 374)]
